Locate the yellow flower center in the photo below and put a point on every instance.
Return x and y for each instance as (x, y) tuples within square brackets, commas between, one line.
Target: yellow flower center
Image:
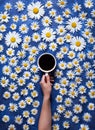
[(62, 3), (13, 39), (4, 16), (35, 10), (48, 34), (78, 43), (74, 25)]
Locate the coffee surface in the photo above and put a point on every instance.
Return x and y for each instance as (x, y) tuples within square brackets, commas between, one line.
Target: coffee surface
[(46, 62)]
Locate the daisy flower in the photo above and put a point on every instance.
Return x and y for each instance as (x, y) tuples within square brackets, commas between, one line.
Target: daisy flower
[(56, 86), (36, 37), (68, 114), (59, 55), (11, 127), (25, 46), (59, 98), (46, 21), (15, 18), (1, 37), (68, 102), (89, 84), (90, 23), (23, 28), (83, 99), (90, 74), (36, 103), (42, 46), (64, 50), (23, 17), (88, 3), (35, 10), (35, 78), (53, 46), (76, 7), (63, 91), (2, 107), (77, 108), (19, 6), (59, 19), (93, 13), (27, 74), (75, 119), (82, 89), (1, 48), (81, 56), (52, 12), (91, 40), (92, 93), (4, 81), (25, 127), (31, 121), (22, 104), (12, 39), (83, 15), (71, 54), (31, 59), (4, 17), (70, 74), (26, 114), (73, 93), (90, 55), (84, 127), (56, 117), (2, 28), (67, 13), (13, 26), (61, 30), (18, 69), (16, 96), (34, 68), (64, 82), (48, 34), (5, 118), (8, 6), (87, 117), (6, 70), (21, 54), (73, 24), (55, 127), (48, 4), (27, 39), (18, 119), (91, 106), (34, 93), (33, 50), (21, 81), (31, 86), (62, 65), (28, 100), (34, 111), (58, 73), (24, 92), (60, 40), (70, 65), (78, 43), (62, 3), (13, 107), (13, 61), (66, 124), (68, 37), (25, 65), (60, 108), (35, 26), (6, 95)]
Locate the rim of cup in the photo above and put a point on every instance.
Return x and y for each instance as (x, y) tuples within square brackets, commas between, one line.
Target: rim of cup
[(46, 71)]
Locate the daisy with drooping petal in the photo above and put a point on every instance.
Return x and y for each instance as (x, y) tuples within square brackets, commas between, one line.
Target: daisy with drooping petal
[(78, 43), (35, 10), (73, 24), (48, 34), (12, 39)]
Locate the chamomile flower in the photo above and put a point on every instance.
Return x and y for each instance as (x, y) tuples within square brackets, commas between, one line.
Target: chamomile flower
[(26, 114), (58, 19), (53, 46), (25, 65), (10, 52), (56, 86), (3, 28), (90, 54), (62, 65), (22, 104), (19, 6), (90, 74), (4, 17), (18, 119), (35, 26), (3, 59), (89, 84), (87, 117), (16, 96), (52, 12), (31, 121), (76, 7), (68, 102), (59, 55), (35, 78), (70, 74), (67, 114), (21, 81), (71, 54), (73, 24), (84, 127), (34, 69), (75, 119), (77, 108), (90, 23), (55, 127), (28, 100), (83, 99), (13, 26), (4, 81), (21, 54), (62, 3), (82, 89), (13, 107), (1, 37), (83, 15), (36, 37), (48, 34), (6, 95), (31, 86), (92, 93), (60, 108), (58, 73), (81, 55), (34, 111), (2, 107), (13, 61), (24, 92), (42, 46), (61, 30), (88, 3), (11, 127), (93, 13), (70, 65), (60, 40), (91, 106), (15, 18), (12, 39), (59, 98), (24, 17), (34, 93), (68, 37), (67, 13), (23, 28), (46, 21), (63, 91), (36, 103), (25, 127), (48, 4), (66, 124), (18, 69), (25, 46), (27, 74), (33, 50), (5, 118), (8, 6), (78, 43), (35, 10), (6, 70), (91, 40), (64, 82), (73, 93), (56, 117), (86, 65)]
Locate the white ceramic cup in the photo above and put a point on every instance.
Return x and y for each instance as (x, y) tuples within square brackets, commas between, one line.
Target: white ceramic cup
[(47, 62)]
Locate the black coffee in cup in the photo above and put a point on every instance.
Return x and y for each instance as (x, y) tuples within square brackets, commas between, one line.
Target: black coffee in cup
[(47, 62)]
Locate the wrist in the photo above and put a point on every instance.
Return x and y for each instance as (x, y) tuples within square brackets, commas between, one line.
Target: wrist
[(46, 97)]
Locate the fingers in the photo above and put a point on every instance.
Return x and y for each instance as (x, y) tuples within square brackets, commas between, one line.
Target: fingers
[(47, 78), (43, 79)]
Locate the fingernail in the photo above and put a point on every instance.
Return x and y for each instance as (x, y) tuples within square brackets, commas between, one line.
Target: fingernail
[(46, 74)]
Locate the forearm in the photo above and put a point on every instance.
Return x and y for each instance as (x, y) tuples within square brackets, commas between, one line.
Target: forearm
[(45, 117)]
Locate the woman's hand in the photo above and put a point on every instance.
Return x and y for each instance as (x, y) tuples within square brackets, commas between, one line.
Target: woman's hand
[(46, 86)]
